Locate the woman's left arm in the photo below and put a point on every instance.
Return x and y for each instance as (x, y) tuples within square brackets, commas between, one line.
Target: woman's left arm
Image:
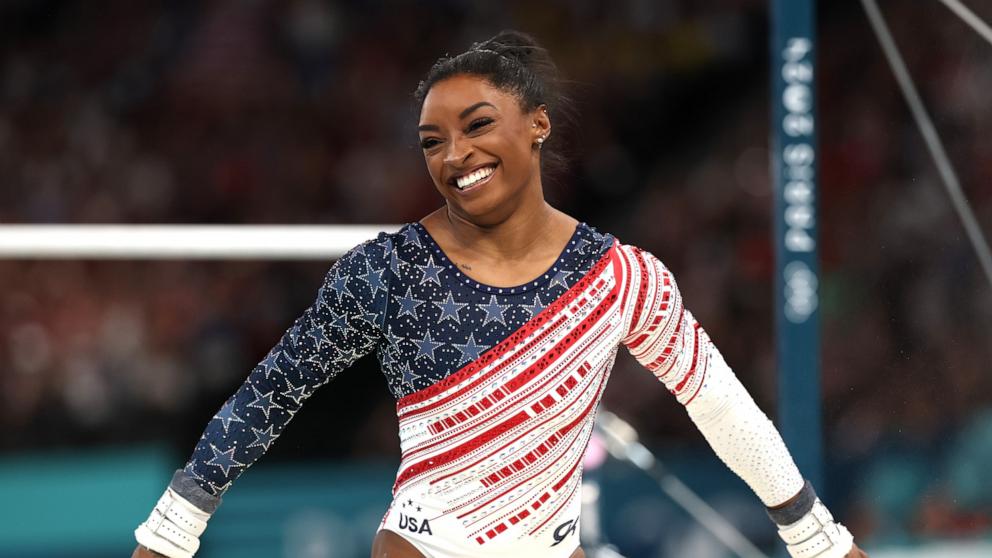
[(664, 337)]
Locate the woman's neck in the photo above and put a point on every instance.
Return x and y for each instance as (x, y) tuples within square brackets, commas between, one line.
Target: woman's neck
[(517, 237)]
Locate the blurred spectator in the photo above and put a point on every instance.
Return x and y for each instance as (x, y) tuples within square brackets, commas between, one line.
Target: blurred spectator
[(299, 111)]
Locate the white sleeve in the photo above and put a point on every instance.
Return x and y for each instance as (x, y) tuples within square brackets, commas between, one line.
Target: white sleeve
[(664, 337)]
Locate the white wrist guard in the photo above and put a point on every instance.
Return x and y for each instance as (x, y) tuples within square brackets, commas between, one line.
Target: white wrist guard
[(174, 527), (816, 534)]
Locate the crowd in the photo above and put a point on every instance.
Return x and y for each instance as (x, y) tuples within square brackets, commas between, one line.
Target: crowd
[(300, 111)]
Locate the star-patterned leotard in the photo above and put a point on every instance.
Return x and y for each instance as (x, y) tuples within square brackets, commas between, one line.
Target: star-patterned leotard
[(496, 387)]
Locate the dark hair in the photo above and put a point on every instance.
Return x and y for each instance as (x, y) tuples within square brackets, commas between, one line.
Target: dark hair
[(514, 62)]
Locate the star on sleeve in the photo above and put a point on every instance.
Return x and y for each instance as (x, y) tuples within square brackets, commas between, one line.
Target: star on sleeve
[(341, 325), (224, 460), (226, 415), (263, 438)]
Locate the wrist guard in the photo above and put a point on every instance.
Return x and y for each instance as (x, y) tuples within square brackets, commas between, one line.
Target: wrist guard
[(174, 527), (809, 530)]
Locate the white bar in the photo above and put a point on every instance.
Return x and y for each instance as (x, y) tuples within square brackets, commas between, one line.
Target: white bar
[(970, 18), (621, 441), (221, 242), (930, 137)]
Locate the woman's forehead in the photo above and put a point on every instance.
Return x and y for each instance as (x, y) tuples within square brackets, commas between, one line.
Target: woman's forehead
[(449, 97)]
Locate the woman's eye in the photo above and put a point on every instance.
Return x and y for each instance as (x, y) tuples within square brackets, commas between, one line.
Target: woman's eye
[(428, 143), (476, 124)]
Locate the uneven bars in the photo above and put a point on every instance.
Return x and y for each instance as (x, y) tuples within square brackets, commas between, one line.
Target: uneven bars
[(970, 18), (622, 443), (930, 137), (221, 242)]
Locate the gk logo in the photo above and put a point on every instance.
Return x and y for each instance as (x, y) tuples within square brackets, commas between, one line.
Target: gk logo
[(564, 530)]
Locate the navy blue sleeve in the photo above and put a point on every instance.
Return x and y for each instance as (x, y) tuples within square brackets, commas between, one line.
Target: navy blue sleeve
[(343, 324)]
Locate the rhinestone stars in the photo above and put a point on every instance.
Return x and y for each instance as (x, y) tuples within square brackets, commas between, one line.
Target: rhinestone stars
[(560, 278), (263, 438), (224, 459), (408, 304), (535, 307), (426, 347), (494, 311), (470, 351), (449, 309), (271, 363), (374, 278), (431, 271), (226, 415), (264, 402)]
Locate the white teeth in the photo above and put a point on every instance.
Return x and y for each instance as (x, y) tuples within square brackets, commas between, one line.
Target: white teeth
[(473, 177)]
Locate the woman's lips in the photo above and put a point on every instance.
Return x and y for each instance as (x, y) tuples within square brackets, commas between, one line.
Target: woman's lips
[(480, 183)]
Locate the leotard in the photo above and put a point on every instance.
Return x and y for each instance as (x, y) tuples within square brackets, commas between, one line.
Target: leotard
[(496, 388)]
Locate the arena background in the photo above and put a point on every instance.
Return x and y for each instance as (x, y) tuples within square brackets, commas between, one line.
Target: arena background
[(300, 112)]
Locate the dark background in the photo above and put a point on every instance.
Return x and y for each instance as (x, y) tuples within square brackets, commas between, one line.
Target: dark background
[(254, 112)]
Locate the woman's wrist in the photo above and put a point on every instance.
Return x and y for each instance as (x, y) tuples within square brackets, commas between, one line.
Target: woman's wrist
[(809, 529), (174, 527)]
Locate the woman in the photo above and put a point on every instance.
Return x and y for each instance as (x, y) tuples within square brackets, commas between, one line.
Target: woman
[(496, 320)]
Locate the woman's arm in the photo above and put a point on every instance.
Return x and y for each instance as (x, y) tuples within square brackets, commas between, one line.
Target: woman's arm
[(665, 337), (343, 324)]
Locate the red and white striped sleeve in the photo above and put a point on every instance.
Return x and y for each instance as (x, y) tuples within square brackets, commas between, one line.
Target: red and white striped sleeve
[(664, 337)]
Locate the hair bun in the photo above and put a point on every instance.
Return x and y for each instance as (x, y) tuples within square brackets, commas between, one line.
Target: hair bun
[(511, 44)]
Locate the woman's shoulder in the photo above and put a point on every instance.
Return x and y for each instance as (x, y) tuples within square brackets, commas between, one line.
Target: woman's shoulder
[(593, 241), (388, 248), (632, 252)]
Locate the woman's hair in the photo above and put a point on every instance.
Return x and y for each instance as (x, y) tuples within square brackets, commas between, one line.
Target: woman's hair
[(514, 62)]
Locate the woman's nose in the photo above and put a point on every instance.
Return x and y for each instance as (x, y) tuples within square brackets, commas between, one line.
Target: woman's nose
[(457, 152)]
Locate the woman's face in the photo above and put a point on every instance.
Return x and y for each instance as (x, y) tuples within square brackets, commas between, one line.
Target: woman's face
[(479, 146)]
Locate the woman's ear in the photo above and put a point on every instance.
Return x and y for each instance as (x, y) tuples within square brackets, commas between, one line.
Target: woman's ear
[(540, 125)]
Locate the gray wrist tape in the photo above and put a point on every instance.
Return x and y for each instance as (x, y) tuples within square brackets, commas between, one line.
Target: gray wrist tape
[(808, 528), (787, 515)]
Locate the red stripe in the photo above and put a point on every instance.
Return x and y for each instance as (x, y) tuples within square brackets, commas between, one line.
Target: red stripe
[(621, 268), (511, 487), (547, 446), (663, 356), (695, 359), (563, 430), (539, 366), (483, 438), (511, 341), (464, 373), (698, 388), (562, 434), (560, 506), (547, 401)]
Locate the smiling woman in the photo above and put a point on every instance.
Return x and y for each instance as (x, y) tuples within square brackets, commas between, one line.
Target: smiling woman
[(497, 370)]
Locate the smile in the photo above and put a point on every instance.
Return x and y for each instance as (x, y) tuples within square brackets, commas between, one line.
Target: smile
[(475, 178)]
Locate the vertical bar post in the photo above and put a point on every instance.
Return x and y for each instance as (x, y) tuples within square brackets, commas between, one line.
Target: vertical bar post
[(793, 162)]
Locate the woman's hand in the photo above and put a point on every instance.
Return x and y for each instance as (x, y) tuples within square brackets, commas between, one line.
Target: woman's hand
[(856, 553), (142, 552)]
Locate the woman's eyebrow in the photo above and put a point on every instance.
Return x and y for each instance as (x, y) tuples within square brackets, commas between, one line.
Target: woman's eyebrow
[(472, 108), (461, 115)]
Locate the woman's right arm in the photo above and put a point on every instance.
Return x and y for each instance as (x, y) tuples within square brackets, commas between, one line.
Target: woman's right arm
[(343, 324)]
